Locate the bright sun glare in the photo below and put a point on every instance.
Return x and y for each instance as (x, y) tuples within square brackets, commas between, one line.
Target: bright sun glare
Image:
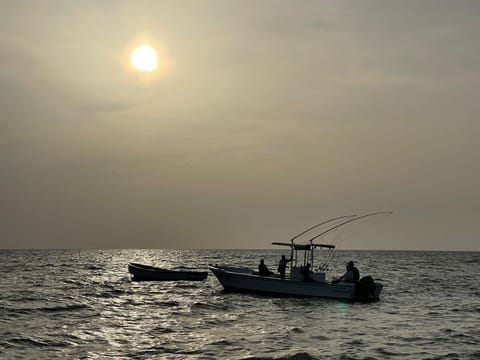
[(144, 58)]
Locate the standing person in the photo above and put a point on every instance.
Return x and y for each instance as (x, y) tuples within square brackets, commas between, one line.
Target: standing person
[(356, 273), (282, 266)]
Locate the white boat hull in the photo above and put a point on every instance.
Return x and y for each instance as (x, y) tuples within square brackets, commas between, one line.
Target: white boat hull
[(250, 282)]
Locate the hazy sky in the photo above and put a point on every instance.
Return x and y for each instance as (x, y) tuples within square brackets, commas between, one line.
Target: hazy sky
[(264, 117)]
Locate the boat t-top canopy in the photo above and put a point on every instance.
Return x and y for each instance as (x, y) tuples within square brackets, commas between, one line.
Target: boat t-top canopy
[(308, 250)]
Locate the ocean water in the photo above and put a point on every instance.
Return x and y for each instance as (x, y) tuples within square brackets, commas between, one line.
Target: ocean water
[(82, 304)]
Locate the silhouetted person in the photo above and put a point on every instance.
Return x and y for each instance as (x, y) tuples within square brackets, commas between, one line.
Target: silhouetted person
[(356, 273), (263, 270), (282, 266), (348, 276)]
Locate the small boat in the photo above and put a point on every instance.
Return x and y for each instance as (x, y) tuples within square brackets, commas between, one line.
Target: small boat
[(301, 281), (142, 272)]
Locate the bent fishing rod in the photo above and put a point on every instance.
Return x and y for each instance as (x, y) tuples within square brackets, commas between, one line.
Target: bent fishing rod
[(348, 221), (320, 224), (329, 255)]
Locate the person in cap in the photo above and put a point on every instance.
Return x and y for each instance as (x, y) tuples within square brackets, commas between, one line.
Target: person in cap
[(356, 273)]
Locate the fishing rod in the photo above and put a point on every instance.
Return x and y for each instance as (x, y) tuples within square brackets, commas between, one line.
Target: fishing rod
[(323, 265), (331, 254), (348, 221), (322, 223), (315, 226), (328, 258), (292, 252)]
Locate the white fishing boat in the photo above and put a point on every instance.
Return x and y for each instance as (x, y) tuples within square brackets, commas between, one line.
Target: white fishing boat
[(301, 281)]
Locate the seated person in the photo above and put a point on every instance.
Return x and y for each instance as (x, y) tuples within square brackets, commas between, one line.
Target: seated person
[(348, 276), (263, 270), (356, 273)]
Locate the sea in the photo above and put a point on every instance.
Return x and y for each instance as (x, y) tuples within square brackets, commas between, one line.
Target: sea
[(82, 304)]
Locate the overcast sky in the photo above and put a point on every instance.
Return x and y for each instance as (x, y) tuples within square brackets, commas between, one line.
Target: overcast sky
[(263, 118)]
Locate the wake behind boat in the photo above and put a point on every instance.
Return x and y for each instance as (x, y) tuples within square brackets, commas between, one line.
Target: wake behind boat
[(302, 281), (142, 272)]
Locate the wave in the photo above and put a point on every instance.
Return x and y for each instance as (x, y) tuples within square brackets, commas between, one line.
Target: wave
[(108, 294), (385, 352), (446, 356), (162, 330), (17, 298), (200, 305), (297, 356), (107, 290), (49, 309), (222, 342), (30, 342), (186, 285), (467, 308), (473, 260), (53, 265), (297, 330), (320, 337), (170, 303), (72, 307), (93, 267)]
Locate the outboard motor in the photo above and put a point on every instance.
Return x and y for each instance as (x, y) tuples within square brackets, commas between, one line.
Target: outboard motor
[(365, 289)]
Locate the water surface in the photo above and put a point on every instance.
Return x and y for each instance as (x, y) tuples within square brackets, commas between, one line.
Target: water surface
[(82, 304)]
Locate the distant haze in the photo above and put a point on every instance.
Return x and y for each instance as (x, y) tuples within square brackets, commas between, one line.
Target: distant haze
[(264, 117)]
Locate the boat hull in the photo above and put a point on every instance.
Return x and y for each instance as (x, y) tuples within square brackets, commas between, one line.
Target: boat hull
[(149, 273), (250, 282)]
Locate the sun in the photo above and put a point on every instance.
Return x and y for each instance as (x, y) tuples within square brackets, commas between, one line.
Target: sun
[(144, 58)]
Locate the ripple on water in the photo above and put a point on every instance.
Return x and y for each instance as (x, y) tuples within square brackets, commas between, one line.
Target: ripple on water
[(163, 330), (297, 330), (185, 285), (51, 309), (297, 356), (168, 303), (209, 306), (222, 342), (32, 342), (108, 294)]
